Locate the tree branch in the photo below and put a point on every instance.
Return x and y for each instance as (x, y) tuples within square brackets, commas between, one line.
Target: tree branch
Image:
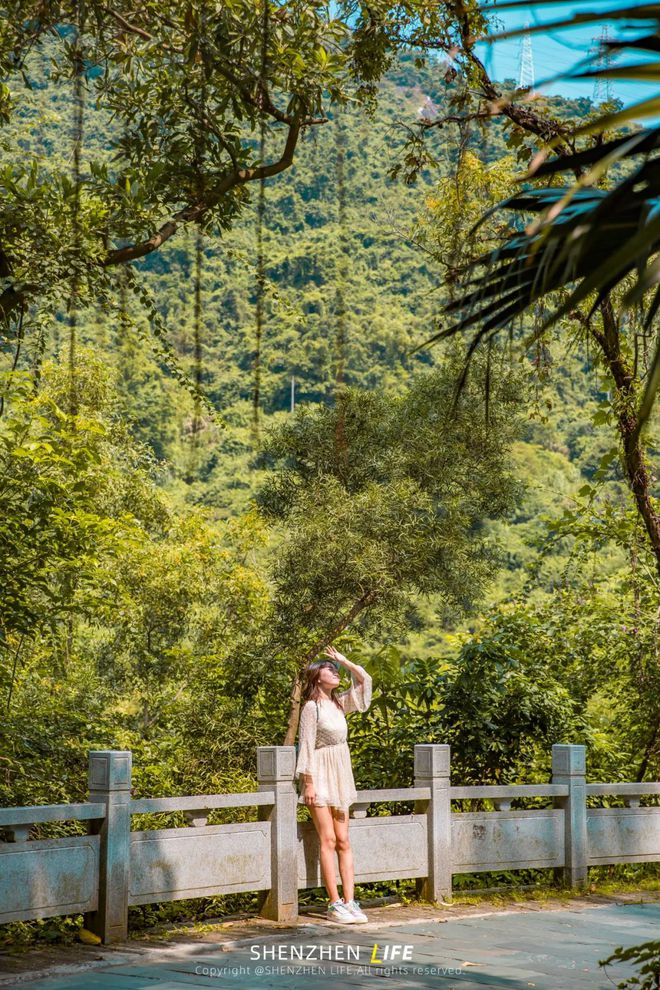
[(11, 299), (523, 116), (127, 26), (260, 99), (368, 598), (196, 211)]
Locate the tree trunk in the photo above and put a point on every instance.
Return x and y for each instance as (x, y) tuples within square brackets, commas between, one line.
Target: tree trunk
[(636, 469), (648, 753), (363, 602)]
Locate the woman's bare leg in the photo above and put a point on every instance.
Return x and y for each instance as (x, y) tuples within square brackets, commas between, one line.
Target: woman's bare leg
[(322, 818), (344, 853)]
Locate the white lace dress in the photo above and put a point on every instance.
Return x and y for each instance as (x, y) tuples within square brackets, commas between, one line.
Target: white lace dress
[(322, 747)]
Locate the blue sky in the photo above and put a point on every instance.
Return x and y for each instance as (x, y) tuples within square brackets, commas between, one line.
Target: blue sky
[(557, 50)]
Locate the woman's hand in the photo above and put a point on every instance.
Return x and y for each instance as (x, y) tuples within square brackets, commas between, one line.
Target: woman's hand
[(309, 794), (334, 654)]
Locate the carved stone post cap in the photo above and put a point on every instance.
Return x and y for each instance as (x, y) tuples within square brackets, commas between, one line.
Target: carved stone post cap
[(432, 760), (275, 763), (110, 769), (568, 760)]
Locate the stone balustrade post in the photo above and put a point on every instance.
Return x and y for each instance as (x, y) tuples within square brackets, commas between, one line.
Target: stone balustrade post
[(110, 783), (568, 768), (275, 772), (432, 770)]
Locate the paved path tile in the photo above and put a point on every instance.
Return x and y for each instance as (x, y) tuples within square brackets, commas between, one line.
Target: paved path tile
[(542, 950)]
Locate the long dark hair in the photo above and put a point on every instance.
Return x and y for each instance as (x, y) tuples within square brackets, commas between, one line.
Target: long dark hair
[(311, 674)]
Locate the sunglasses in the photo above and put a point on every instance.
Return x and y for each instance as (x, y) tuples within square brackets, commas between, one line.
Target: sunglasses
[(325, 663)]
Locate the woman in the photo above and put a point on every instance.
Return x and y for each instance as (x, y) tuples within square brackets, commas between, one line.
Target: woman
[(324, 766)]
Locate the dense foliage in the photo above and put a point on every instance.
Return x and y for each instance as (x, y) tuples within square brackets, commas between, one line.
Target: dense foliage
[(168, 563), (100, 594)]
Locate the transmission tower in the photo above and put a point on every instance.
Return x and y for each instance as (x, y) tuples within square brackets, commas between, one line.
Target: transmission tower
[(602, 59), (526, 63)]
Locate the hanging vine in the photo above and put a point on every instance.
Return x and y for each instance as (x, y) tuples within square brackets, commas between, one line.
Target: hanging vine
[(156, 337), (38, 354), (17, 353), (340, 290), (124, 322), (197, 344), (77, 139), (198, 109), (202, 60), (261, 210), (6, 268)]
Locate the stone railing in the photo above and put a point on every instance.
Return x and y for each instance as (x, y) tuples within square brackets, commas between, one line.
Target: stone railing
[(103, 872)]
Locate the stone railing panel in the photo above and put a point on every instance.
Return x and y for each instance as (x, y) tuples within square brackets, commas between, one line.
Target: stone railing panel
[(176, 863), (507, 840), (391, 848), (623, 835), (47, 877)]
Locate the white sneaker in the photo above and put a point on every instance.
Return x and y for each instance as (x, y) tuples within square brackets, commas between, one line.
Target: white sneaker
[(358, 915), (338, 913)]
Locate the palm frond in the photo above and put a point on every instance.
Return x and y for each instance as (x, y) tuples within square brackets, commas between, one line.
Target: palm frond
[(647, 140), (584, 239)]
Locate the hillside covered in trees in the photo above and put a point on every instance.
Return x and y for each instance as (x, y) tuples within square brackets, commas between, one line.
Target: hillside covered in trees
[(174, 558)]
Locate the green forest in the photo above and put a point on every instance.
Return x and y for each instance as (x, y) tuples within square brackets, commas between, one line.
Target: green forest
[(221, 454)]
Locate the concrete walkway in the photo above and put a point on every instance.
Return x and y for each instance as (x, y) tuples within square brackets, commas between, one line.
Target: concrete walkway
[(549, 949)]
